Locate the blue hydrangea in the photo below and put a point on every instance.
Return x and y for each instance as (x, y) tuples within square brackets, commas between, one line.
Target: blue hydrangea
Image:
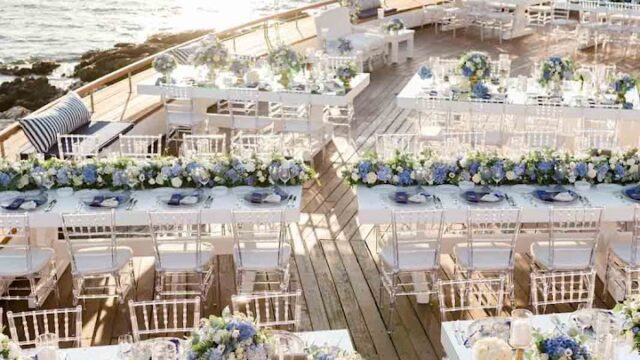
[(384, 173), (245, 328), (232, 176), (581, 169), (619, 171), (405, 177), (474, 167), (440, 173), (545, 165), (90, 174), (364, 168), (519, 169), (5, 179), (62, 176), (176, 169)]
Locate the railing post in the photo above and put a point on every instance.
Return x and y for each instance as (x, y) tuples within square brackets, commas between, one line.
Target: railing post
[(92, 104), (130, 85)]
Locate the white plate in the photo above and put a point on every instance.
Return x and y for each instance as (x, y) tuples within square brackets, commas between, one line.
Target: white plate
[(9, 194), (163, 191), (522, 188), (383, 189), (240, 190), (219, 190), (86, 193)]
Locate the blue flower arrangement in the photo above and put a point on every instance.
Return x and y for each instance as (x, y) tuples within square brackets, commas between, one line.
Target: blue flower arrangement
[(126, 173), (330, 353), (425, 73), (629, 310), (561, 347), (475, 66), (396, 24), (542, 167), (623, 84), (344, 46), (555, 69), (480, 91), (346, 72)]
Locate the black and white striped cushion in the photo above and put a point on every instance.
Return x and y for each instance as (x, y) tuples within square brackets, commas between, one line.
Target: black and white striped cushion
[(183, 54), (63, 118)]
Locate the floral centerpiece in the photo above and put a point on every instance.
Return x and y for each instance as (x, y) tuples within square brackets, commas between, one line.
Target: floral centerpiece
[(554, 70), (491, 348), (559, 347), (344, 46), (228, 337), (239, 68), (630, 312), (475, 66), (330, 353), (285, 61), (346, 72), (623, 84), (9, 350), (393, 26), (213, 54), (165, 64), (541, 167), (126, 173)]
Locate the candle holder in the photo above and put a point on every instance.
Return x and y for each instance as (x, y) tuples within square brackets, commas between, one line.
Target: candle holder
[(521, 334)]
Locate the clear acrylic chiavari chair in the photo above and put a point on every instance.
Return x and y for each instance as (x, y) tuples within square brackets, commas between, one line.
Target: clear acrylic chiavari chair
[(209, 145), (490, 247), (388, 145), (181, 254), (140, 146), (180, 112), (261, 247), (271, 310), (456, 143), (525, 141), (622, 275), (78, 147), (165, 318), (409, 255), (66, 324), (97, 258), (471, 294), (563, 267), (27, 272), (261, 146)]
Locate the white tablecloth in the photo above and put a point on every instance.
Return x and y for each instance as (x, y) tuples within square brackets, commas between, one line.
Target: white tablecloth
[(516, 103), (456, 351), (339, 338)]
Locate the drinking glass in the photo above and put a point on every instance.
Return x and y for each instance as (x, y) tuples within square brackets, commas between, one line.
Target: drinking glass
[(284, 173), (164, 350), (287, 346), (47, 346), (125, 346), (273, 175), (520, 336)]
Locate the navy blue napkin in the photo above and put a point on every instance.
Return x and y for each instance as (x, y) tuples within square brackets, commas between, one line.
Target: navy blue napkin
[(16, 203)]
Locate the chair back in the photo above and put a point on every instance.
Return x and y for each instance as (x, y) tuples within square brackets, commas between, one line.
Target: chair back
[(490, 231), (16, 247), (335, 22), (258, 231), (259, 145), (90, 237), (388, 145), (332, 62), (463, 141), (597, 139), (416, 232), (166, 318), (177, 232), (204, 145), (272, 310), (533, 140), (77, 147), (243, 101), (573, 231), (471, 294), (140, 146), (66, 324)]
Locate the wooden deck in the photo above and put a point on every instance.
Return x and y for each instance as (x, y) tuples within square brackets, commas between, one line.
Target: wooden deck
[(333, 262)]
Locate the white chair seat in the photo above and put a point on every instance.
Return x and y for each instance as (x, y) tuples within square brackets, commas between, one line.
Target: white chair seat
[(184, 261), (489, 257), (13, 262), (564, 22), (264, 257), (98, 262), (416, 258), (365, 41), (567, 255), (621, 248)]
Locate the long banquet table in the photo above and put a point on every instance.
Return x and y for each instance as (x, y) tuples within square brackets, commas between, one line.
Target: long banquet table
[(457, 351), (517, 102), (339, 338), (375, 208)]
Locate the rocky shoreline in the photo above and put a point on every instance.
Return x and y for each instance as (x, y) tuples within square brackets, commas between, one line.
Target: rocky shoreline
[(30, 89)]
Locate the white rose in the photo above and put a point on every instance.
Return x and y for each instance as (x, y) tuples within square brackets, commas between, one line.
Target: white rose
[(395, 179), (633, 169), (371, 178), (354, 176), (631, 161), (592, 173), (160, 179), (250, 166), (510, 175), (176, 182), (476, 178), (152, 181), (23, 181)]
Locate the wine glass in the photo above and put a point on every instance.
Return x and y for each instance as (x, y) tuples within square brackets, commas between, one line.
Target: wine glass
[(284, 173), (273, 175), (47, 346), (125, 346), (164, 350)]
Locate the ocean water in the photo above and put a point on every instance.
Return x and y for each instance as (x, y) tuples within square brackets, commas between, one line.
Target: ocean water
[(64, 29)]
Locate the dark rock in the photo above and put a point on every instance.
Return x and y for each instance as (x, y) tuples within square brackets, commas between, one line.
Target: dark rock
[(15, 113), (31, 93), (40, 68)]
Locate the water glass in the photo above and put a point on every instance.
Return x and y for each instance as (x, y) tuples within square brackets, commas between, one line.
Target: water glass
[(164, 350), (125, 347), (284, 173), (47, 346), (521, 333), (287, 346)]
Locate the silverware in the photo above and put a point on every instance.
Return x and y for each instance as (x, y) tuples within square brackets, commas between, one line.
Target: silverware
[(437, 201), (292, 201), (584, 200), (510, 200), (208, 201), (132, 203), (51, 205)]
